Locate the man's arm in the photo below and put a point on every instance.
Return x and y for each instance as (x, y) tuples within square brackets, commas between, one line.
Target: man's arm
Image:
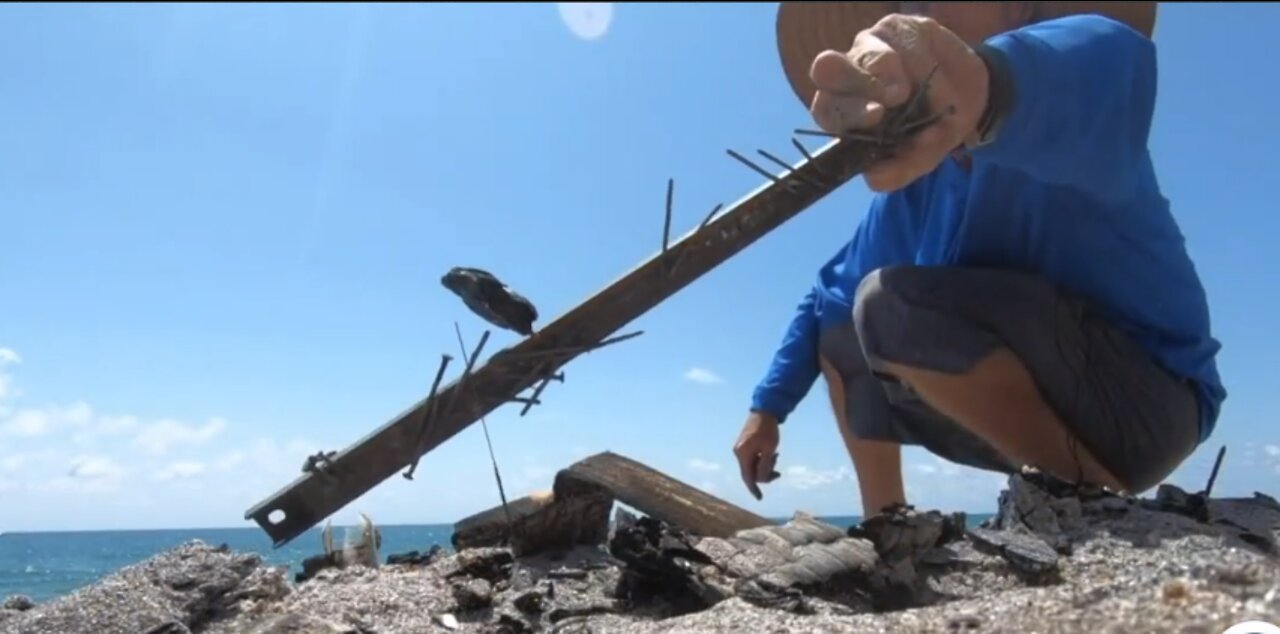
[(1082, 94), (795, 364)]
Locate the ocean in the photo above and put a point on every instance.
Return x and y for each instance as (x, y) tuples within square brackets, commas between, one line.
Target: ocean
[(45, 566)]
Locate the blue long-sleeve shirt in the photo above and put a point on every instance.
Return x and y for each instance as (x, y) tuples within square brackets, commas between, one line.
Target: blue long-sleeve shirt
[(1067, 191)]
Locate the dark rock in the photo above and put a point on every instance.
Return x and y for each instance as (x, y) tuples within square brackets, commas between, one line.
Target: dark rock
[(311, 566), (1113, 505), (1025, 552), (964, 623), (1172, 499), (18, 603), (415, 558), (303, 624), (567, 573), (170, 627), (900, 533), (533, 601), (491, 564), (660, 563), (1045, 506), (472, 594), (762, 593), (1266, 500), (584, 608), (510, 624)]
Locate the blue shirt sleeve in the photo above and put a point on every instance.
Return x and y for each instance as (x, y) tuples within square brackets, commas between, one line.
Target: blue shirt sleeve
[(1084, 90), (795, 364)]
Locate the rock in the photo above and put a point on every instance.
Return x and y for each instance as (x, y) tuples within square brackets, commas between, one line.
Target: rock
[(1046, 506), (311, 566), (1263, 498), (491, 564), (301, 624), (1025, 551), (533, 601), (18, 603), (190, 586), (583, 608), (510, 624), (472, 594), (660, 563), (1172, 499), (170, 627), (447, 621), (901, 533), (415, 558)]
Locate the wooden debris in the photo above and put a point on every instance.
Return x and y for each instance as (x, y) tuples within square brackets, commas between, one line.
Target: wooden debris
[(655, 494), (306, 501), (540, 522)]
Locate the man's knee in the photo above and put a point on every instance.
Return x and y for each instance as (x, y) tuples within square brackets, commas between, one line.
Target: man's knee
[(881, 304), (900, 317)]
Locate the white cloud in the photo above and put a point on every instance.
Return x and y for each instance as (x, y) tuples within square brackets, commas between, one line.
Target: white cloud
[(95, 468), (32, 422), (698, 464), (1272, 450), (804, 478), (180, 471), (7, 357), (160, 437), (703, 375)]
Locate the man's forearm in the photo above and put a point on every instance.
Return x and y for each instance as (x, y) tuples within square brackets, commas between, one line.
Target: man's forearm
[(794, 367)]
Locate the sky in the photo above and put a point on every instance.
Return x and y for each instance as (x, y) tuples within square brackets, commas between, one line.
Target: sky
[(222, 230)]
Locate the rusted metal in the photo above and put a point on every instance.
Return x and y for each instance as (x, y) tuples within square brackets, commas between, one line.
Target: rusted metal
[(309, 499)]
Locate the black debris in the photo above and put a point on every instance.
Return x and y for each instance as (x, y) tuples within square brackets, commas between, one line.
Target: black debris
[(491, 300)]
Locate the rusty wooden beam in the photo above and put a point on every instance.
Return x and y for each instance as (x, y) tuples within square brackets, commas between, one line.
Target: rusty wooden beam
[(655, 494), (352, 472)]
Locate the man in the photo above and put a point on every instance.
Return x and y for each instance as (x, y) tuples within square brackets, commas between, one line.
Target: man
[(1019, 293)]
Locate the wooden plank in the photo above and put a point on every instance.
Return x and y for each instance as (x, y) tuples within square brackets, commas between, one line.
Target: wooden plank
[(539, 523), (312, 497), (656, 494)]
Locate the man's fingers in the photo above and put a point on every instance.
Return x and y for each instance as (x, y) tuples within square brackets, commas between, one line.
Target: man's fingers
[(764, 467), (747, 466), (872, 69), (836, 114)]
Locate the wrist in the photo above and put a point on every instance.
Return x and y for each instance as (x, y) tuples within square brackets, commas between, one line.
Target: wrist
[(999, 97), (765, 416)]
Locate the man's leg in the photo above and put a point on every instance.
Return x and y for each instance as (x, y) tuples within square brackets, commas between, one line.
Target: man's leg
[(876, 419), (1029, 370)]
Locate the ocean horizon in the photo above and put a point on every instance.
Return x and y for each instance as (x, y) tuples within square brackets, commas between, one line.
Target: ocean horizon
[(49, 564)]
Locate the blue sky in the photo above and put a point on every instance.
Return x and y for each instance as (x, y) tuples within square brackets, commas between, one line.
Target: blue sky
[(222, 230)]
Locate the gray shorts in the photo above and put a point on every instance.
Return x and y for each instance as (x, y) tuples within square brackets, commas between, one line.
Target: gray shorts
[(1140, 421)]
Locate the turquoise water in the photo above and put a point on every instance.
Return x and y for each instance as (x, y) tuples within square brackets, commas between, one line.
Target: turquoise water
[(47, 565)]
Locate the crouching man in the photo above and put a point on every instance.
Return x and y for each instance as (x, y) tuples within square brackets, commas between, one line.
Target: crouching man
[(1018, 293)]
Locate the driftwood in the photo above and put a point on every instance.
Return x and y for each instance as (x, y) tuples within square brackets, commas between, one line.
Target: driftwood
[(539, 523), (352, 472), (655, 494), (576, 510)]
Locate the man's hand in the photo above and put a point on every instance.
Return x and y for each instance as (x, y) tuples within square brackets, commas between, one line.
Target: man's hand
[(878, 73), (757, 451)]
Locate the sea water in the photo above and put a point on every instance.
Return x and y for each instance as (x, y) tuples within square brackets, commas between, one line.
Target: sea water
[(44, 566)]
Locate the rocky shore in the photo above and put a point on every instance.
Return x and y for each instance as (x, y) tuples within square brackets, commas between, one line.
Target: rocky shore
[(1053, 559)]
